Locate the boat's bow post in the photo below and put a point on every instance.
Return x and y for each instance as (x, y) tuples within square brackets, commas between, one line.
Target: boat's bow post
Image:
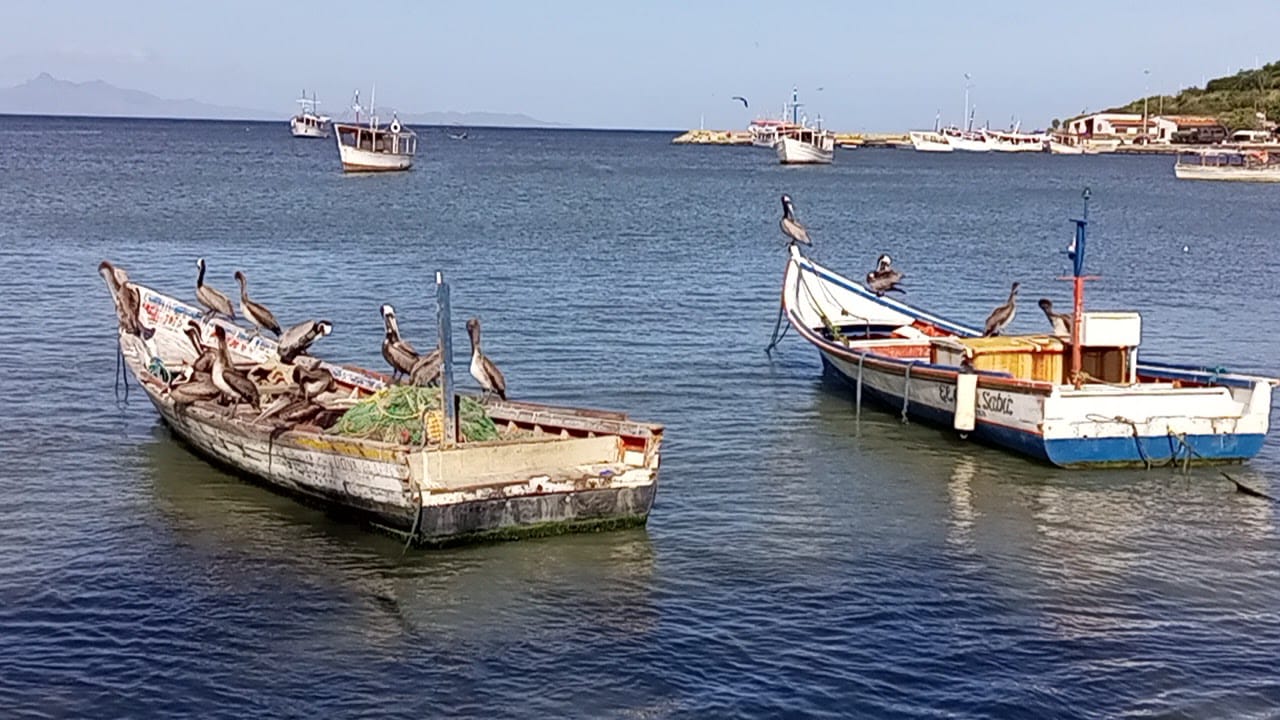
[(1076, 253), (447, 404)]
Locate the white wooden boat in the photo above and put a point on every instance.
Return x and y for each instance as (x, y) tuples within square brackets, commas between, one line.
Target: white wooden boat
[(1065, 145), (1233, 166), (552, 470), (806, 146), (1082, 400), (929, 141), (966, 140), (765, 133), (309, 123), (1014, 141), (370, 147)]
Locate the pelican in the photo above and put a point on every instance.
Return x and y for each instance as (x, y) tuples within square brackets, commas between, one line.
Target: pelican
[(297, 340), (1000, 318), (884, 278), (427, 370), (257, 313), (312, 380), (199, 387), (1061, 322), (482, 368), (126, 299), (233, 384), (791, 227), (399, 354), (204, 355), (210, 297)]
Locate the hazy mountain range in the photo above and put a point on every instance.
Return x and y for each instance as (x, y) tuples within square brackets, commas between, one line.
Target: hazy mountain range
[(47, 95)]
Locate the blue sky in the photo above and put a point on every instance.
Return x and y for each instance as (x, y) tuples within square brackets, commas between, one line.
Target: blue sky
[(648, 64)]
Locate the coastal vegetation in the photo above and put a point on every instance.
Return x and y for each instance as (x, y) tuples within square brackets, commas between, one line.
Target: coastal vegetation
[(1243, 101)]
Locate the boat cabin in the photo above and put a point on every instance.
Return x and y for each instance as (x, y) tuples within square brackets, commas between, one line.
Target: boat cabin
[(391, 140)]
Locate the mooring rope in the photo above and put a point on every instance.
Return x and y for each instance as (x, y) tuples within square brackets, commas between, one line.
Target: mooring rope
[(857, 412), (906, 392)]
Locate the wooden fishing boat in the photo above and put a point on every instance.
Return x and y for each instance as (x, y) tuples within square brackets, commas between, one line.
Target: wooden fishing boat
[(550, 470), (1080, 400)]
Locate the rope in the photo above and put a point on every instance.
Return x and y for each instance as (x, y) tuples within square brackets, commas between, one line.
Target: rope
[(777, 337), (906, 392), (412, 415), (857, 413)]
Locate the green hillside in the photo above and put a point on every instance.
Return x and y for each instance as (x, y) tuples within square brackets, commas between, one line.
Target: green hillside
[(1234, 99)]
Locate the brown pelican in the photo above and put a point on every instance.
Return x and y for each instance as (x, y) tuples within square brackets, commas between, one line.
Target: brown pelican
[(399, 354), (234, 385), (884, 278), (204, 354), (199, 387), (1000, 318), (296, 340), (312, 380), (427, 370), (126, 300), (210, 297), (482, 368), (257, 313), (791, 227), (1061, 322)]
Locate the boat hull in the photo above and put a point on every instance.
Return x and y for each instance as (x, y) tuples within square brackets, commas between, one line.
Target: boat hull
[(793, 152), (1058, 148), (1227, 174), (1175, 414), (968, 144), (357, 160)]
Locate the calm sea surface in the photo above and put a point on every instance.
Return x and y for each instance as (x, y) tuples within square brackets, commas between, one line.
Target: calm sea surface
[(795, 564)]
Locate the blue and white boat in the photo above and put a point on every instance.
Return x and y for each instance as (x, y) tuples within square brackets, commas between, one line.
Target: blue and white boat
[(1078, 399)]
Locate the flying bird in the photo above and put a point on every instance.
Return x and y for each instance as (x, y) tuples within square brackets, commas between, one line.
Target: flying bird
[(742, 99)]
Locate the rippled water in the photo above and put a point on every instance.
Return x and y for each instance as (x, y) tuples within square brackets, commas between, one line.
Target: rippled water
[(797, 562)]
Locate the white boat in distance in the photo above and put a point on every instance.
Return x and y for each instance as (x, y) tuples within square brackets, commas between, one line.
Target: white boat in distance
[(966, 140), (806, 146), (1014, 141), (929, 141), (765, 132), (309, 123), (1079, 397), (372, 148), (1230, 165)]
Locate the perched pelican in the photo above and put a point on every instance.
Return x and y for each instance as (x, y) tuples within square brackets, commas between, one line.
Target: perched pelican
[(427, 370), (297, 340), (1000, 318), (312, 380), (1061, 322), (210, 297), (234, 385), (199, 387), (126, 300), (257, 313), (482, 368), (791, 227), (399, 354), (884, 278), (204, 354)]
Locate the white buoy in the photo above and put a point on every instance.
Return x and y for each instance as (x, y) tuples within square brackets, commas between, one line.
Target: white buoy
[(1186, 249)]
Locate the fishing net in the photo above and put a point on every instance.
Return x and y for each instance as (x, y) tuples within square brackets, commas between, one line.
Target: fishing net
[(402, 413)]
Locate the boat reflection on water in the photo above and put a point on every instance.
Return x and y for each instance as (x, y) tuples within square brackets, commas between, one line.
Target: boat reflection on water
[(241, 538)]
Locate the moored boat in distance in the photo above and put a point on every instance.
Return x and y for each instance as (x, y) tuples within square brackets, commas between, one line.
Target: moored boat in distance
[(373, 148), (966, 140), (490, 470), (929, 141), (1014, 141), (1229, 165), (309, 123), (806, 146), (1078, 398)]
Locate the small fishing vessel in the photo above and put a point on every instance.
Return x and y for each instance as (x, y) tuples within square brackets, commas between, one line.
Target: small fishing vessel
[(806, 145), (929, 141), (1064, 144), (1232, 165), (966, 140), (1014, 141), (1081, 400), (371, 147), (537, 469), (309, 123)]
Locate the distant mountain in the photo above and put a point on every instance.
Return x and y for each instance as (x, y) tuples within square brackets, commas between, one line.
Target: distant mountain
[(476, 119), (47, 95)]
